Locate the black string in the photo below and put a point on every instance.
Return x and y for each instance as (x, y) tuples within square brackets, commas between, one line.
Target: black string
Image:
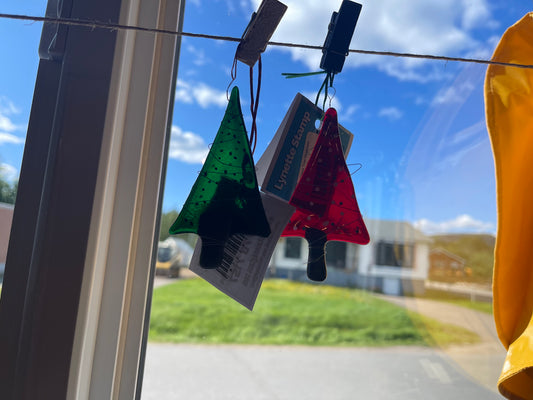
[(326, 84), (112, 26), (233, 76), (254, 104)]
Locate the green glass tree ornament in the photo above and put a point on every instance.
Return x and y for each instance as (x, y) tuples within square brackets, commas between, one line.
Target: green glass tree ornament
[(225, 199)]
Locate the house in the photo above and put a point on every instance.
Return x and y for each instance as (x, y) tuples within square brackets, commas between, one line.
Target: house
[(6, 216), (396, 261), (445, 264)]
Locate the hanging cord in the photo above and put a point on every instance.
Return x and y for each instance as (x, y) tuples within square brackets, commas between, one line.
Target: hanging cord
[(233, 76), (332, 96), (254, 103), (357, 170), (328, 83)]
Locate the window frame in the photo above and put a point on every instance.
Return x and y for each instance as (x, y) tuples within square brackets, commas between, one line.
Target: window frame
[(76, 293), (410, 247), (332, 252)]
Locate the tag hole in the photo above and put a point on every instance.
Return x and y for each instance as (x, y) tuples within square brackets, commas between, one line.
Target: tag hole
[(317, 124)]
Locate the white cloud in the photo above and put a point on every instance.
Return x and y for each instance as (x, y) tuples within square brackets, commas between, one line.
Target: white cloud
[(183, 92), (6, 124), (199, 56), (349, 113), (461, 224), (206, 96), (391, 113), (11, 139), (8, 172), (477, 14), (200, 93), (7, 107), (441, 27), (187, 146), (454, 94)]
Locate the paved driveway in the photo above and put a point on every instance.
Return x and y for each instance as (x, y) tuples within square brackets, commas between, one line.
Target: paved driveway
[(482, 362), (196, 372)]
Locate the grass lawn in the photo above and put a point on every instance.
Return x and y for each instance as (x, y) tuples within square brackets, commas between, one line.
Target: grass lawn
[(289, 313), (438, 295)]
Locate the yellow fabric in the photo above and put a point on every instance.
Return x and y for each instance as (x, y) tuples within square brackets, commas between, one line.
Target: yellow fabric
[(509, 112)]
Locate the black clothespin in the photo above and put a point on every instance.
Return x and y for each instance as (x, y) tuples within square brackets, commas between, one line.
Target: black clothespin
[(254, 41), (340, 32), (259, 31)]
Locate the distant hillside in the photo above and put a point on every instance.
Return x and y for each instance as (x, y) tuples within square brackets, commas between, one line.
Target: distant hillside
[(477, 250)]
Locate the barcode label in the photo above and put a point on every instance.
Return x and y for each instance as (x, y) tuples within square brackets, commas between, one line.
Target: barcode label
[(231, 249), (246, 257)]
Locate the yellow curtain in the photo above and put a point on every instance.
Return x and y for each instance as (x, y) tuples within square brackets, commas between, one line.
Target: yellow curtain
[(509, 113)]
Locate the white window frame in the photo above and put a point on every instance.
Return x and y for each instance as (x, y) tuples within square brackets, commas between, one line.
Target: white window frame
[(117, 282), (107, 318)]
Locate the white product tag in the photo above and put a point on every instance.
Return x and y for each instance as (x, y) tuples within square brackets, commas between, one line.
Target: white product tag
[(246, 257), (285, 158)]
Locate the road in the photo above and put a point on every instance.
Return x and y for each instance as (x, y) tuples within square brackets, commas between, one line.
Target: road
[(299, 372), (482, 362), (312, 373)]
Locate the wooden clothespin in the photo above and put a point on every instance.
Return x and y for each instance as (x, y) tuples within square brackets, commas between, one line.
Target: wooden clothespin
[(259, 31), (340, 32)]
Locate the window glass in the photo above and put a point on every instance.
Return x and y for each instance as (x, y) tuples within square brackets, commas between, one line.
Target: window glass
[(336, 254), (293, 247), (17, 81), (395, 254), (423, 175)]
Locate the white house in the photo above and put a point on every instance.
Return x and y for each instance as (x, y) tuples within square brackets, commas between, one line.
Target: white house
[(396, 261)]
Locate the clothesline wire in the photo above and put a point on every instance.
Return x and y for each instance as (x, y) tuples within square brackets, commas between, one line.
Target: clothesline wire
[(114, 26)]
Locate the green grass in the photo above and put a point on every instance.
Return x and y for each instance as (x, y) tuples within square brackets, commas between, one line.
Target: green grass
[(458, 300), (289, 313)]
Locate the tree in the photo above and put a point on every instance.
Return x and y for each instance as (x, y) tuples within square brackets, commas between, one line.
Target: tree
[(167, 219), (8, 192)]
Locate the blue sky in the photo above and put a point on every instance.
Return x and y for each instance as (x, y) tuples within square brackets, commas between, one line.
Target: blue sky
[(419, 125)]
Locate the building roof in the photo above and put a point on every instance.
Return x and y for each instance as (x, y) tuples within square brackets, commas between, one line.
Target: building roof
[(440, 250), (394, 231)]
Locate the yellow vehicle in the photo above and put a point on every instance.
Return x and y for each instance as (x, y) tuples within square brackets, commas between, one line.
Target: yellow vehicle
[(172, 255)]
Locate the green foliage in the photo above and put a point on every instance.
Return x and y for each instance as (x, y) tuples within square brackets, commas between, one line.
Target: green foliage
[(8, 192), (167, 219), (289, 313), (477, 250)]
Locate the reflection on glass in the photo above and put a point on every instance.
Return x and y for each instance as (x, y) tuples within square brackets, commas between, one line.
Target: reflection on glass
[(407, 316)]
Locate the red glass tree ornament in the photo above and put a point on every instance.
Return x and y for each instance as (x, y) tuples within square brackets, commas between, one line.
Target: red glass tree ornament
[(326, 206), (225, 199)]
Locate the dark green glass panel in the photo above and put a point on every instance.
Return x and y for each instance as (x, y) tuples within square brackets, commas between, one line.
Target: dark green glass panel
[(225, 199)]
